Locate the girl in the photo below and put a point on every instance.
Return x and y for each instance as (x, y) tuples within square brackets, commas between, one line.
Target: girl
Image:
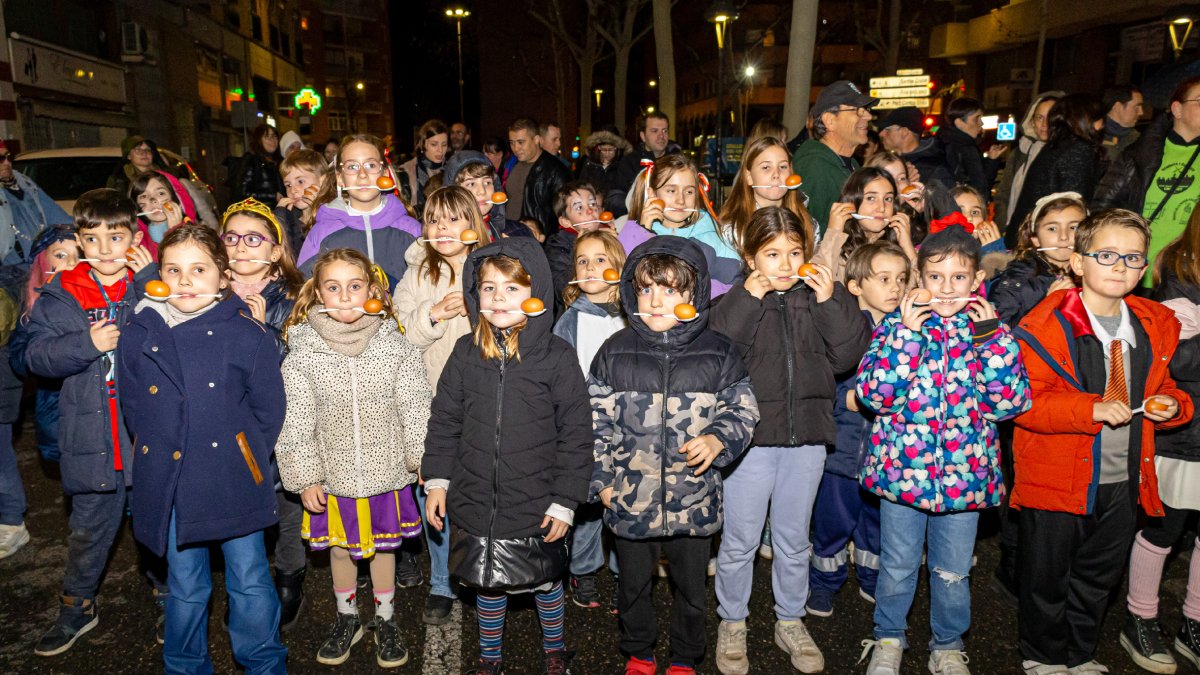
[(158, 197), (433, 140), (973, 206), (593, 313), (203, 397), (766, 163), (259, 176), (870, 194), (795, 337), (430, 305), (905, 175), (306, 185), (358, 405), (510, 476), (1043, 256), (684, 211), (363, 217)]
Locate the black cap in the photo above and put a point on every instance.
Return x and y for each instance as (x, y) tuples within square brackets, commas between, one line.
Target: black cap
[(840, 93), (908, 117)]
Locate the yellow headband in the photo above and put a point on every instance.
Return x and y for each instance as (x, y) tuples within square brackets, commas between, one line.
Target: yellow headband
[(252, 205)]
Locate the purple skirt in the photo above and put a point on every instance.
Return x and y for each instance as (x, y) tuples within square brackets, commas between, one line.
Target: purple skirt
[(364, 526)]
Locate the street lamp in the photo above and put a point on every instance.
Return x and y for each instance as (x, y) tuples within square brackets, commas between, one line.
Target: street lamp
[(458, 14), (1181, 16), (721, 14), (598, 93)]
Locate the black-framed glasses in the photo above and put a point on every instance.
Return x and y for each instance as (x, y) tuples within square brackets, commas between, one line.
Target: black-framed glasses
[(253, 239), (1134, 261)]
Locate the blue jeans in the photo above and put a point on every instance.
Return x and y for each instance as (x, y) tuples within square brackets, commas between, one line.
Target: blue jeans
[(95, 519), (439, 551), (950, 538), (586, 545), (12, 491), (253, 607)]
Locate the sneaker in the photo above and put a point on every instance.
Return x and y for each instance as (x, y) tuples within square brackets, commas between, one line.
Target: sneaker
[(76, 617), (1035, 668), (862, 593), (1142, 639), (820, 602), (487, 668), (712, 566), (731, 648), (346, 632), (766, 552), (793, 638), (636, 666), (408, 570), (557, 662), (681, 669), (1089, 668), (886, 655), (1187, 641), (948, 662), (160, 620), (437, 610), (389, 652), (584, 592), (661, 570), (12, 538)]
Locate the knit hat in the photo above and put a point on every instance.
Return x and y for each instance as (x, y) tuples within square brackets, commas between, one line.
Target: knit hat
[(460, 159), (132, 142), (288, 139)]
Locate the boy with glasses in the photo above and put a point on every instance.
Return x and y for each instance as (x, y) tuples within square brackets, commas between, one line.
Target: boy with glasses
[(1097, 360)]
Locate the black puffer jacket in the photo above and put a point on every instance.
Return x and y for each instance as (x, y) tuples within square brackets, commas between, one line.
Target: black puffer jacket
[(560, 251), (1020, 287), (1066, 164), (966, 163), (1182, 442), (546, 177), (794, 347), (259, 179), (512, 437), (1125, 183)]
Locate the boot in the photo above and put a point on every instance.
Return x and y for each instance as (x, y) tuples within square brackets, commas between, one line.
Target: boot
[(290, 586)]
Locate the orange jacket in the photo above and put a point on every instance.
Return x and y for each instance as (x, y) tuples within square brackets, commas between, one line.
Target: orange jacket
[(1056, 447)]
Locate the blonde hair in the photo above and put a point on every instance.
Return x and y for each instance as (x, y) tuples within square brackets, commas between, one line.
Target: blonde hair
[(484, 336), (453, 200), (740, 206), (308, 298), (616, 254)]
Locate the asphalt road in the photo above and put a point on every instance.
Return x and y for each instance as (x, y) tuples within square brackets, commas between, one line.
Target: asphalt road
[(124, 640)]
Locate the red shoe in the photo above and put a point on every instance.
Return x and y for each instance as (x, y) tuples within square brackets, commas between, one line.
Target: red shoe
[(680, 669), (636, 666)]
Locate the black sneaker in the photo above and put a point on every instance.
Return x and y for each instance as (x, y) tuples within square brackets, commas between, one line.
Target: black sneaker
[(408, 570), (347, 631), (437, 609), (584, 592), (557, 662), (76, 617), (389, 653), (1187, 641), (1142, 639), (160, 621), (290, 587), (487, 668)]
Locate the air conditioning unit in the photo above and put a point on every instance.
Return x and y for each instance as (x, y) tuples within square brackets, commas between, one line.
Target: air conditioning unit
[(134, 40)]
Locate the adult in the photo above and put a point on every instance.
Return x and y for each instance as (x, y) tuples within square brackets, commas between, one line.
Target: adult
[(1073, 158), (141, 155), (551, 135), (259, 175), (1035, 131), (900, 131), (960, 138), (604, 152), (432, 143), (840, 117), (654, 130), (1124, 105), (460, 136), (330, 150), (495, 149), (290, 143), (536, 178), (25, 210), (1159, 175)]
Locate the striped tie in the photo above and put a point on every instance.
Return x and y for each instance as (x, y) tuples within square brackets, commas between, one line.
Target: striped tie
[(1116, 389)]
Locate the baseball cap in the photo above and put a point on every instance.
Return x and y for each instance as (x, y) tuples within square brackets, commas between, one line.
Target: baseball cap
[(840, 93), (908, 117)]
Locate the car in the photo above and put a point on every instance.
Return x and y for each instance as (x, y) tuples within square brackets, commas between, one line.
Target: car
[(67, 173)]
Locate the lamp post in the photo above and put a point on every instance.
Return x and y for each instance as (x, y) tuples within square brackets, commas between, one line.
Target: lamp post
[(721, 13), (1181, 16), (458, 14)]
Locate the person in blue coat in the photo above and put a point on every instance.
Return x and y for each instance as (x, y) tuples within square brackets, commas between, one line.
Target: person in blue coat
[(203, 396)]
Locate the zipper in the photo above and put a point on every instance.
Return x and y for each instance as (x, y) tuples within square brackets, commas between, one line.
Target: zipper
[(787, 343), (662, 465), (489, 556), (938, 434), (358, 468)]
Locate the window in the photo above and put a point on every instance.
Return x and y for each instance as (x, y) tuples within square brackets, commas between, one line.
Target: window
[(274, 32), (256, 27), (337, 121)]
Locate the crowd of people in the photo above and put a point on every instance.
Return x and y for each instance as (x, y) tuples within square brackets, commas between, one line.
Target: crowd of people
[(536, 371)]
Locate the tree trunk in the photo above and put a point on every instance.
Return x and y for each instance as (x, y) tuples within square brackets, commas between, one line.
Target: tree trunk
[(801, 46), (664, 49), (586, 77), (620, 84), (892, 58)]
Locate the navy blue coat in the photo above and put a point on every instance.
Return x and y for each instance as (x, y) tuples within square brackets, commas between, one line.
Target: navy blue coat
[(278, 304), (846, 456), (205, 403)]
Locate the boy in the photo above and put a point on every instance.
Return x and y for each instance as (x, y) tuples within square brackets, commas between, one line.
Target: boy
[(304, 174), (73, 333), (1084, 455), (877, 274), (578, 211), (471, 169), (678, 397), (939, 375)]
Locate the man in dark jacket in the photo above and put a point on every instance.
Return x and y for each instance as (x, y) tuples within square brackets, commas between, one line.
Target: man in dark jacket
[(537, 177), (960, 139), (655, 131), (900, 132), (1124, 105)]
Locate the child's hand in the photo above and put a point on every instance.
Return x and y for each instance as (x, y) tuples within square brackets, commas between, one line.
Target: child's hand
[(104, 335), (757, 284), (286, 202), (558, 528), (448, 307), (1061, 284), (1112, 413), (258, 307), (839, 213), (986, 233), (313, 498), (701, 451), (137, 257), (903, 227), (912, 314), (174, 214), (435, 507), (606, 497), (1163, 415), (650, 214), (981, 310), (821, 282), (851, 401)]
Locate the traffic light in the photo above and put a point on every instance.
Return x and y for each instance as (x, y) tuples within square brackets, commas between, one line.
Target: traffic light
[(930, 121)]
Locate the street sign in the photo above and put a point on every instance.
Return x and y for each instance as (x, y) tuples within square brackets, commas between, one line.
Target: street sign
[(899, 81), (900, 92), (893, 103), (911, 71)]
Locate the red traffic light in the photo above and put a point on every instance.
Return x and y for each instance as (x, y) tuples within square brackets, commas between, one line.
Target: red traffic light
[(930, 121)]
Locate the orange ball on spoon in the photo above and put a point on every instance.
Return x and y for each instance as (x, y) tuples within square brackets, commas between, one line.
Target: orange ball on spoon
[(373, 306), (499, 198), (922, 295), (793, 181), (469, 237), (533, 306), (157, 289), (611, 275), (1156, 406), (807, 270), (685, 312), (385, 182)]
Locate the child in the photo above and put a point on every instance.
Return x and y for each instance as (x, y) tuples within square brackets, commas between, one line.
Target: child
[(592, 315), (869, 193), (472, 170), (674, 180), (671, 405), (877, 274), (159, 207), (510, 476), (363, 217), (972, 205), (795, 338), (306, 185), (760, 181), (73, 332), (1043, 262), (578, 211), (358, 405), (939, 375), (430, 305), (205, 403), (1095, 354)]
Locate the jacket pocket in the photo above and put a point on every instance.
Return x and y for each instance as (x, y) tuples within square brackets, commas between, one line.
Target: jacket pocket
[(247, 455)]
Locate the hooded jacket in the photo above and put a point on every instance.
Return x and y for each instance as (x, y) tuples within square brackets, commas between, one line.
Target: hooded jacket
[(592, 171), (653, 392), (1020, 287), (1067, 164), (724, 265), (1012, 178), (383, 237), (586, 327), (497, 223), (413, 299)]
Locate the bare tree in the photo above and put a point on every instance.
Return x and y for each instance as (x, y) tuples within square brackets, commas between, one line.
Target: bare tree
[(889, 36), (664, 48), (585, 48), (619, 26)]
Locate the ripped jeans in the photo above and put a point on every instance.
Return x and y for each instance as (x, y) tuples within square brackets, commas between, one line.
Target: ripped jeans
[(950, 540)]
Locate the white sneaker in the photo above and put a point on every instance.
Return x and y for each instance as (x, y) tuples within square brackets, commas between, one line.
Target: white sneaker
[(12, 538), (766, 552), (948, 662), (731, 648), (886, 655), (793, 638), (712, 566), (1036, 668), (1089, 668)]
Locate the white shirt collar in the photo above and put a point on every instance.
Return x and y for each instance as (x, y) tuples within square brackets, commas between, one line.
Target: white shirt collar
[(1124, 331)]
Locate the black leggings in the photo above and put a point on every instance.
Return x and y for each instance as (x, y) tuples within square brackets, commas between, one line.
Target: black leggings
[(1165, 532)]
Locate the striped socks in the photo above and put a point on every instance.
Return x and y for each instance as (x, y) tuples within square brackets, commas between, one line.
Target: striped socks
[(550, 608), (492, 610)]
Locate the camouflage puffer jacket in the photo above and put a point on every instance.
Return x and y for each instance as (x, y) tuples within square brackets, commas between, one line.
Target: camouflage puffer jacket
[(651, 393)]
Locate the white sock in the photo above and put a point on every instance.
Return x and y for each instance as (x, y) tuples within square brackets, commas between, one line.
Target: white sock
[(383, 604), (347, 602)]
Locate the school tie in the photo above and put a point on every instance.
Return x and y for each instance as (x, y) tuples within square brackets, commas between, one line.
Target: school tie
[(1116, 389)]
